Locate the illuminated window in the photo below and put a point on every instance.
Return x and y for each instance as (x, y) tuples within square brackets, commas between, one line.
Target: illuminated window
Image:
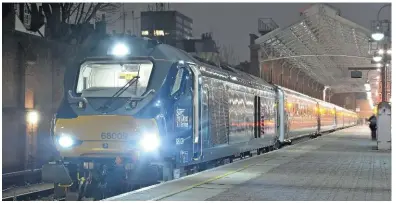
[(97, 78), (159, 33), (29, 99), (145, 32)]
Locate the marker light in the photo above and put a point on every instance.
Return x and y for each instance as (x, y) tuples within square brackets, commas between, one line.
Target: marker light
[(150, 142), (65, 141), (377, 58), (120, 50)]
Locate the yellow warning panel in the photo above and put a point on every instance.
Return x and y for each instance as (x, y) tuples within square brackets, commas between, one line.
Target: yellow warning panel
[(128, 75)]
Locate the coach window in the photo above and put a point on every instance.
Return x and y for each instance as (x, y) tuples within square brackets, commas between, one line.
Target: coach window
[(296, 110)]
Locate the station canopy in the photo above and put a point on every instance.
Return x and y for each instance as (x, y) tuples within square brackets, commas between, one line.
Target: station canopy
[(323, 45)]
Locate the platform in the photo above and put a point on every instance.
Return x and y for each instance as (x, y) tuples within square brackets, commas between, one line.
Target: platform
[(343, 165)]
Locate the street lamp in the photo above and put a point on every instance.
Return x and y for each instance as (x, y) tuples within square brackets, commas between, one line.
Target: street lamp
[(378, 34), (32, 117)]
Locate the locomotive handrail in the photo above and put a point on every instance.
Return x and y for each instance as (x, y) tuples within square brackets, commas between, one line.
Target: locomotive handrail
[(144, 95), (76, 99)]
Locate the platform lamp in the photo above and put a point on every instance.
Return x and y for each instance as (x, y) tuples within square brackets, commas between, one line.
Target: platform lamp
[(381, 35), (32, 119), (377, 34)]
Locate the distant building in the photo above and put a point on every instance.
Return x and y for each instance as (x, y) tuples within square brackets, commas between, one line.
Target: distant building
[(243, 66), (204, 48), (166, 26)]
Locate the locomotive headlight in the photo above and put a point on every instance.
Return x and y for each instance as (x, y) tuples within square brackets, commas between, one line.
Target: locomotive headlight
[(65, 141), (120, 50), (150, 141)]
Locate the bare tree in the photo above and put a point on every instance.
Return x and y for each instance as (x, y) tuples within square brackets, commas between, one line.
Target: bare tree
[(227, 54), (65, 20)]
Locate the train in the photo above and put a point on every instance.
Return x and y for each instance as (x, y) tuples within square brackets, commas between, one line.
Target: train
[(136, 112)]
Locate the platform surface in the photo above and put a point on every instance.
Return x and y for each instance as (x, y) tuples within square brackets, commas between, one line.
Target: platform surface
[(343, 165)]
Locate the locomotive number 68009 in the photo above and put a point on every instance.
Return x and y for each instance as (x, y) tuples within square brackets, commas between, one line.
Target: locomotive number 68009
[(114, 136)]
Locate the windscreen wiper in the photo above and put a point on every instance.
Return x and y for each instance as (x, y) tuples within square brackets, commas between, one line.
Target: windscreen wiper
[(118, 93)]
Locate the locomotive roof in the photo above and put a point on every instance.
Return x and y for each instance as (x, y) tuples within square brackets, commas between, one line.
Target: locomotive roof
[(311, 99), (321, 102)]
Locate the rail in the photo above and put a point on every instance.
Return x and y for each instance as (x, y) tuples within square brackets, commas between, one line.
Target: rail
[(21, 173), (32, 195), (20, 179)]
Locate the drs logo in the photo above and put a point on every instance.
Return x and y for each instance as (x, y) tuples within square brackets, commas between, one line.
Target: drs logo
[(114, 136)]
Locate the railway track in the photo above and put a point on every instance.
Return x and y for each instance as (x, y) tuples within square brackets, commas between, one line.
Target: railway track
[(21, 178), (24, 185), (46, 194)]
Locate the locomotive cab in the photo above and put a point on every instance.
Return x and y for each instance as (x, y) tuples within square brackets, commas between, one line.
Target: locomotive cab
[(110, 125)]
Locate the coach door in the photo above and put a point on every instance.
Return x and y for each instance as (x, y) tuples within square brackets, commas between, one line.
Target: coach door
[(334, 112), (280, 116), (186, 95), (258, 122), (197, 128), (204, 117), (319, 123)]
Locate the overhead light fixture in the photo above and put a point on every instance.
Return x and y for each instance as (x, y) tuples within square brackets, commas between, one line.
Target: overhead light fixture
[(379, 69), (378, 36), (381, 51), (379, 65), (389, 51), (377, 58)]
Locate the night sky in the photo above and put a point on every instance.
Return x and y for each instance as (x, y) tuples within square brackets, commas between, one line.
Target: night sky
[(231, 23)]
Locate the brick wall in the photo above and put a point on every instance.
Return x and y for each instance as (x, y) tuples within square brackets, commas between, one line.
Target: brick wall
[(345, 100), (364, 106), (32, 78), (280, 73)]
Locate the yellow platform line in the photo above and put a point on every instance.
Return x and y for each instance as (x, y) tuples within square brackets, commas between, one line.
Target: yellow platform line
[(202, 183)]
